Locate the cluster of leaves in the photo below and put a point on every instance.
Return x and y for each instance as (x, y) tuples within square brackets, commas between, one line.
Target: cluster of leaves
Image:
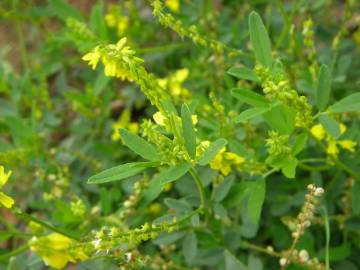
[(235, 116)]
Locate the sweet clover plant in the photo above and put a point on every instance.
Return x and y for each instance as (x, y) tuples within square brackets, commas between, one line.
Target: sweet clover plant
[(179, 135)]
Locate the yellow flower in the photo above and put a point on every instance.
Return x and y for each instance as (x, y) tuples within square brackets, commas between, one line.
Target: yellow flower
[(174, 83), (5, 200), (56, 250), (114, 19), (224, 160), (110, 20), (318, 132), (332, 144), (93, 57), (159, 118), (332, 148), (174, 5), (124, 121), (348, 145)]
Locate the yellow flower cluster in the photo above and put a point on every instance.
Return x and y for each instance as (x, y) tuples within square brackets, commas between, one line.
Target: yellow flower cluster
[(174, 83), (5, 200), (115, 58), (173, 5), (332, 149), (223, 161), (114, 19), (57, 250), (124, 121)]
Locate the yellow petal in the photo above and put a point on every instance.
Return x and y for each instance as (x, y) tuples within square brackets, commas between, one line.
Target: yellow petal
[(6, 201), (342, 128), (174, 5), (4, 177), (181, 75), (318, 132), (348, 145), (159, 118), (332, 148)]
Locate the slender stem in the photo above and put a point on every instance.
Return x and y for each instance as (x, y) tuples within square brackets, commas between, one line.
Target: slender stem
[(200, 187), (261, 249), (28, 217), (13, 252), (327, 237)]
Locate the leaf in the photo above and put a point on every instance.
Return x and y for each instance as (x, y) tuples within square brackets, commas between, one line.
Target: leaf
[(256, 199), (355, 198), (189, 247), (211, 151), (97, 22), (120, 172), (281, 118), (178, 206), (169, 106), (249, 97), (299, 144), (63, 10), (350, 103), (251, 113), (139, 145), (323, 88), (236, 195), (188, 130), (288, 167), (223, 189), (330, 125), (173, 173), (260, 40), (243, 73), (232, 263)]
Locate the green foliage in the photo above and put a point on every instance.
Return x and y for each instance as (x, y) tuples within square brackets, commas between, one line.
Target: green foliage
[(212, 135)]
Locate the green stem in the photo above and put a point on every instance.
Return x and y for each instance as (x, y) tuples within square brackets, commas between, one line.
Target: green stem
[(28, 218), (200, 187), (14, 253), (327, 237)]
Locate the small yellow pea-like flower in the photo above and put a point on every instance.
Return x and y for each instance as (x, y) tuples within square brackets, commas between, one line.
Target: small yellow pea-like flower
[(93, 57), (173, 5), (5, 200), (332, 148), (124, 121), (348, 145), (224, 160), (318, 132), (55, 250)]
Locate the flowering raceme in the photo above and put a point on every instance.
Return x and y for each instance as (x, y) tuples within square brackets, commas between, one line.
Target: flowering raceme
[(332, 149), (5, 200), (56, 250)]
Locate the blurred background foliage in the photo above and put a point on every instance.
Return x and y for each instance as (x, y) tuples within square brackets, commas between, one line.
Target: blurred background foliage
[(58, 117)]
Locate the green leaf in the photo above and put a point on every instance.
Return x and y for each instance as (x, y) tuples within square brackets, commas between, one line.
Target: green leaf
[(120, 172), (97, 22), (288, 166), (188, 130), (139, 145), (232, 263), (323, 88), (260, 40), (256, 199), (355, 198), (169, 106), (178, 206), (223, 189), (281, 118), (236, 195), (243, 73), (63, 10), (190, 247), (173, 173), (211, 151), (330, 125), (249, 97), (350, 103), (299, 144), (251, 113)]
